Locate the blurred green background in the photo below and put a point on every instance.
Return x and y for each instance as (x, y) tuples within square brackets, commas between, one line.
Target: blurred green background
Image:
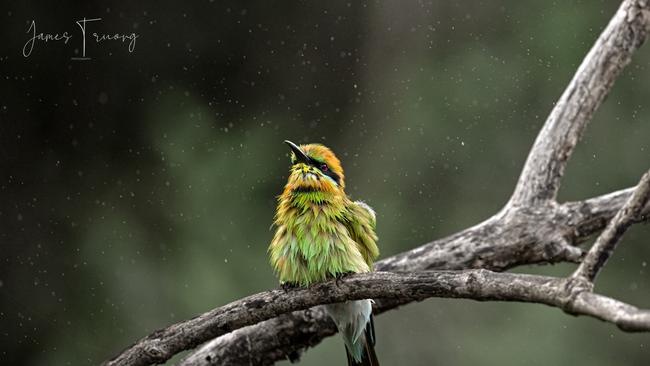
[(137, 189)]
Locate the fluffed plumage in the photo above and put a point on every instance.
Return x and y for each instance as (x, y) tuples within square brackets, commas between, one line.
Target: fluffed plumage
[(320, 234)]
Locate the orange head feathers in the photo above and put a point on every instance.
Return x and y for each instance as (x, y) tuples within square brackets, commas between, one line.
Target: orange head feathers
[(315, 168)]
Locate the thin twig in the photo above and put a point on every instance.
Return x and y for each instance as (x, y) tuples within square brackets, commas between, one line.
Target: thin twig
[(609, 238)]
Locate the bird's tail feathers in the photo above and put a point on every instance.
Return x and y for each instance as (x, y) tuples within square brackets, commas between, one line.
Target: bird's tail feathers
[(367, 342), (355, 323)]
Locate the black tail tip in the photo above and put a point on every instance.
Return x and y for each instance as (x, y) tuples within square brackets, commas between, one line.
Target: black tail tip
[(368, 357)]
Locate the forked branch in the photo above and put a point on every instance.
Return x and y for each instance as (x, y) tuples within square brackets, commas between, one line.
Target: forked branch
[(391, 290), (607, 241), (531, 228), (544, 168)]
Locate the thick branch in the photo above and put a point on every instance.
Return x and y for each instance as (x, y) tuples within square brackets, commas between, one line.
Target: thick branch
[(480, 285), (516, 236), (256, 344), (243, 347), (589, 216), (532, 228), (626, 32), (539, 182), (486, 245), (607, 241)]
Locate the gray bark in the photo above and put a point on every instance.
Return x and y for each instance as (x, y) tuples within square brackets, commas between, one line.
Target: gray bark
[(572, 294), (531, 228), (607, 241), (625, 33), (478, 284), (285, 336)]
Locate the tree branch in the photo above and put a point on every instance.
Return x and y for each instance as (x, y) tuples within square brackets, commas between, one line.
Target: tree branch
[(625, 33), (243, 347), (538, 184), (284, 336), (531, 228), (607, 241), (482, 285)]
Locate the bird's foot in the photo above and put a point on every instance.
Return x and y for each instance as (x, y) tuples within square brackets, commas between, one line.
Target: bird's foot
[(286, 286), (342, 275)]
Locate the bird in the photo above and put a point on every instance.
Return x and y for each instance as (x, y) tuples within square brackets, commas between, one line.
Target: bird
[(321, 234)]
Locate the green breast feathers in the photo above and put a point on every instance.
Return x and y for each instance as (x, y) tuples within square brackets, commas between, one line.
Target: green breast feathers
[(316, 240)]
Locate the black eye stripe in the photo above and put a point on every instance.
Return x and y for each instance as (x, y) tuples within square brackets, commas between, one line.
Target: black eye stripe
[(317, 164)]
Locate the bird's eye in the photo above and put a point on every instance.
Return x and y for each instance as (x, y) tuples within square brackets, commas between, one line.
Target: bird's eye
[(324, 168)]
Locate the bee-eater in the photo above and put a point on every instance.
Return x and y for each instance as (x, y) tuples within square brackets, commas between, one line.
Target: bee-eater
[(322, 234)]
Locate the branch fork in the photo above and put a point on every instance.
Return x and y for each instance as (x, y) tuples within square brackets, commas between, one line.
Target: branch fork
[(532, 228)]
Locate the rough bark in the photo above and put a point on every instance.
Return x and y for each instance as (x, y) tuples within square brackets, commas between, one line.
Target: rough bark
[(534, 194), (531, 228), (603, 248), (625, 33), (480, 284), (572, 294), (284, 336)]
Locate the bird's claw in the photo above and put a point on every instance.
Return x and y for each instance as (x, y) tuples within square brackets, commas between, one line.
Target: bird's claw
[(286, 286), (341, 276)]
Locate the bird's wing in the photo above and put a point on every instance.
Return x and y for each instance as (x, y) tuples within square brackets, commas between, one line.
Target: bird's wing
[(360, 221)]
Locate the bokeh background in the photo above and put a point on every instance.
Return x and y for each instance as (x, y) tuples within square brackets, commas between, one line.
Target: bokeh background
[(137, 189)]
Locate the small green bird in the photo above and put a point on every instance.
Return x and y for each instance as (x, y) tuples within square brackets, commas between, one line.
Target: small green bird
[(322, 234)]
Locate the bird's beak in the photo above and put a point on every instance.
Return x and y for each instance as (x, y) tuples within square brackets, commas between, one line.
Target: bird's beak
[(300, 156)]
